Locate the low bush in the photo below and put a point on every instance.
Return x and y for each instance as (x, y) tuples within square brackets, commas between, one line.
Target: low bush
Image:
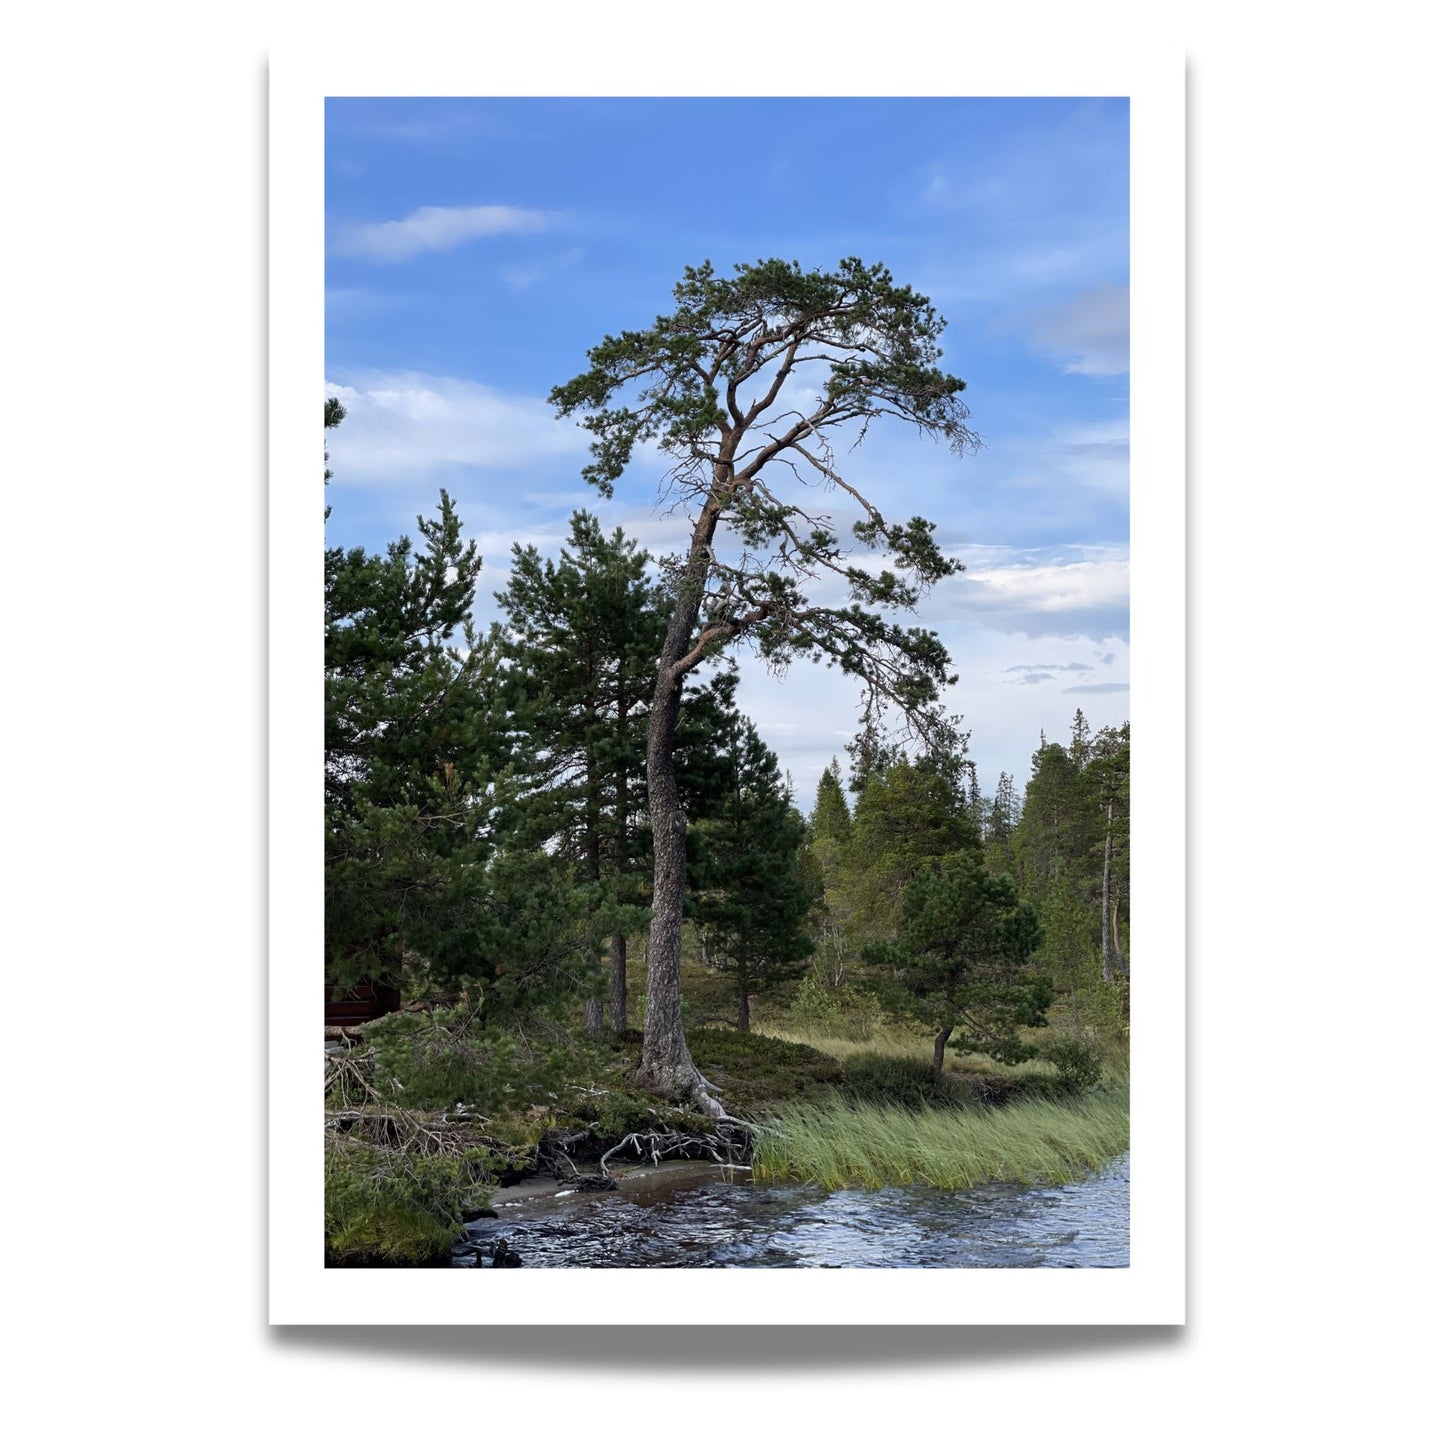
[(888, 1079), (386, 1207), (843, 1012), (440, 1058), (755, 1072), (1079, 1061)]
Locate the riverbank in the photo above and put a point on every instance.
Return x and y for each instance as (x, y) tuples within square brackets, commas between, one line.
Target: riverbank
[(403, 1179)]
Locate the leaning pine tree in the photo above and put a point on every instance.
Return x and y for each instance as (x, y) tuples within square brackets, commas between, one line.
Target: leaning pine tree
[(749, 386)]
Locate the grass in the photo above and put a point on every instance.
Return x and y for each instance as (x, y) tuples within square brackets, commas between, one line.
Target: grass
[(1029, 1142)]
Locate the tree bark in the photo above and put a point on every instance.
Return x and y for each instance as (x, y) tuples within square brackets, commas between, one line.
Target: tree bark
[(744, 1017), (939, 1043), (617, 998), (667, 1067), (594, 1018)]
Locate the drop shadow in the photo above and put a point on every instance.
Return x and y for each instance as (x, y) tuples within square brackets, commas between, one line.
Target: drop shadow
[(772, 1349)]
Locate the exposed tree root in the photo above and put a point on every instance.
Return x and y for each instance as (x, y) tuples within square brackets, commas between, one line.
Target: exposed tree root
[(718, 1146)]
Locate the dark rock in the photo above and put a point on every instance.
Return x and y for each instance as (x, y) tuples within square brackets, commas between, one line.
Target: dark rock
[(504, 1257), (471, 1215)]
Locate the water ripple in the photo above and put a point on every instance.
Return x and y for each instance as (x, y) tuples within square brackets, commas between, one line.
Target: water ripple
[(710, 1223)]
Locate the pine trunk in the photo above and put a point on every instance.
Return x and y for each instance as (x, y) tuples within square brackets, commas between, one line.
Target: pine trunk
[(743, 1014), (940, 1042), (617, 997), (594, 1018), (667, 1065)]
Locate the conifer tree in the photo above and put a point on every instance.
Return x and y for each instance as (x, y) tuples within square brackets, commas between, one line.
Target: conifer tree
[(415, 862), (1107, 775), (708, 384), (830, 835), (959, 964), (908, 816), (1059, 823), (1000, 827), (752, 894), (581, 637)]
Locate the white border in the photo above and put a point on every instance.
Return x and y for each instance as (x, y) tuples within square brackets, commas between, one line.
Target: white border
[(1151, 1290)]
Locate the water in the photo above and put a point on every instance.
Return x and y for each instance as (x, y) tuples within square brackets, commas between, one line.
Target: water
[(688, 1217)]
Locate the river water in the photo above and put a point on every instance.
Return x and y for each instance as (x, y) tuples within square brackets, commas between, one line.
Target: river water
[(687, 1216)]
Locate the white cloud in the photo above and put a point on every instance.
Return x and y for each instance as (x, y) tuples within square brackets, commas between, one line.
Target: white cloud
[(1066, 587), (434, 228), (404, 428)]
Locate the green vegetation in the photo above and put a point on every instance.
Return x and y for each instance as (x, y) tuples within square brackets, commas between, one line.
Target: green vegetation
[(384, 1207), (1030, 1142)]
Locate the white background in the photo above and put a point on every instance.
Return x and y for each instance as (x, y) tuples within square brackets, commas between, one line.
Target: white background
[(135, 386)]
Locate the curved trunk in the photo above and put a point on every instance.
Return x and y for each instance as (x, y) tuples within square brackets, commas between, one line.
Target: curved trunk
[(939, 1043)]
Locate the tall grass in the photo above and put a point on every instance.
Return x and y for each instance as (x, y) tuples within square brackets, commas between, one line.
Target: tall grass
[(1031, 1142)]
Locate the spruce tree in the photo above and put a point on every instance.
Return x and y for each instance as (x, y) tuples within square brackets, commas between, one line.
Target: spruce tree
[(1059, 823), (1107, 776), (1000, 827), (830, 836)]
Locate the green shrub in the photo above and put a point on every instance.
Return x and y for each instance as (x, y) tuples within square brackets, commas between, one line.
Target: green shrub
[(889, 1079), (444, 1057), (385, 1207), (1080, 1063), (621, 1114)]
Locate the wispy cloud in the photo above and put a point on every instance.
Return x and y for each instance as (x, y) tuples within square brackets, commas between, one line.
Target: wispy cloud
[(433, 228), (406, 428), (1088, 334), (523, 276), (1099, 687)]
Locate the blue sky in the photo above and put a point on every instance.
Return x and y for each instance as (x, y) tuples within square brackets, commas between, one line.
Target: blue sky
[(477, 248)]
